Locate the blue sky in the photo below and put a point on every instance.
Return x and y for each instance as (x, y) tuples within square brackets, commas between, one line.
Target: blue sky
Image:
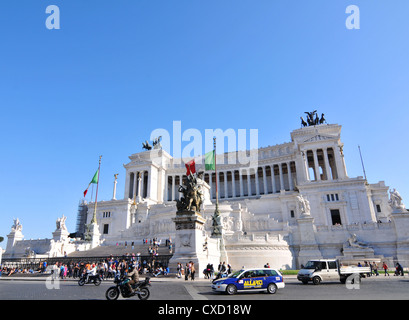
[(117, 70)]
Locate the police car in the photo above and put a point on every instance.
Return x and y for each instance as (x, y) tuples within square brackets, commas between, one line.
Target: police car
[(255, 279)]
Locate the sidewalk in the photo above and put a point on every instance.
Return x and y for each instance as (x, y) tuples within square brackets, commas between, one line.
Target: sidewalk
[(43, 277)]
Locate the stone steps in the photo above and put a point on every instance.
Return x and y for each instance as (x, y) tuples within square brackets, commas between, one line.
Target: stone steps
[(119, 250)]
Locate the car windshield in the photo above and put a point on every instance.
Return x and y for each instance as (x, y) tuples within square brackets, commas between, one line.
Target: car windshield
[(235, 274), (313, 265)]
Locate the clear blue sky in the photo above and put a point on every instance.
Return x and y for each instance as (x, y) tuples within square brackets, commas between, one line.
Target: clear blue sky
[(117, 70)]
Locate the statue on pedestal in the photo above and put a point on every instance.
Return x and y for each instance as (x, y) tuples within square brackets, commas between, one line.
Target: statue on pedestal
[(192, 195), (312, 119), (146, 145), (217, 224), (395, 201), (16, 225), (352, 242), (60, 223), (156, 144), (304, 205)]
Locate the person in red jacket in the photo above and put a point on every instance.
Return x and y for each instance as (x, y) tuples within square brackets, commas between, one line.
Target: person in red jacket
[(385, 268)]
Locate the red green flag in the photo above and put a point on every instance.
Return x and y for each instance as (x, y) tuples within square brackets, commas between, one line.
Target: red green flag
[(94, 180)]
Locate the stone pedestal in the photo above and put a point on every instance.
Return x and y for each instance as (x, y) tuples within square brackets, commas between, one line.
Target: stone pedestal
[(95, 235), (358, 255), (308, 244), (190, 242), (12, 238), (401, 223), (60, 234)]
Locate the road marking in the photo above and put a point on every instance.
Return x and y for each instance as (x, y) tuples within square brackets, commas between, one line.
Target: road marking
[(194, 293)]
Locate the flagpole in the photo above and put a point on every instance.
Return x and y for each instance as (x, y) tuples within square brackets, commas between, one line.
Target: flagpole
[(217, 226), (215, 171), (217, 222), (362, 161), (94, 216)]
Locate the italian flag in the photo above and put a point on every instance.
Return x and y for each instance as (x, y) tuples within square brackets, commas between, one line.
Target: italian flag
[(94, 180), (209, 161)]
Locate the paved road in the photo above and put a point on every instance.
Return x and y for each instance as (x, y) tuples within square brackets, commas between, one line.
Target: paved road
[(374, 288)]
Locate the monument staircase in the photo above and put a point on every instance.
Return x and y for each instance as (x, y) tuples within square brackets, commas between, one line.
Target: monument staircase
[(122, 250)]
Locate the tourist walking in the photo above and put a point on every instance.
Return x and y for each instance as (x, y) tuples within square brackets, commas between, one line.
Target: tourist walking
[(375, 269), (385, 268), (192, 271), (187, 271), (179, 270)]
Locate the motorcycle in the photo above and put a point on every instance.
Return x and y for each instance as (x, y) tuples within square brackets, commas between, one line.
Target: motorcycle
[(140, 289), (91, 279)]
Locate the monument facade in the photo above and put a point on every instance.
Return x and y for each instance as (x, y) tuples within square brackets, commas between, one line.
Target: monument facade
[(299, 203)]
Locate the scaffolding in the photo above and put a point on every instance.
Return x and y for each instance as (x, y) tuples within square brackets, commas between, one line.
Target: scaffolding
[(81, 219)]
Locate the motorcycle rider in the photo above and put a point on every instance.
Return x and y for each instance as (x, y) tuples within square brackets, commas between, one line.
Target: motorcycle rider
[(91, 272), (133, 274)]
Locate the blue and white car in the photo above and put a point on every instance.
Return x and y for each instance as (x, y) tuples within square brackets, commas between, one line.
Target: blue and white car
[(255, 279)]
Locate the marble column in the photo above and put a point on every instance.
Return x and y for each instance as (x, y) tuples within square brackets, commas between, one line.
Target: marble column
[(173, 187), (210, 184), (306, 168), (249, 183), (290, 176), (316, 166), (265, 180), (273, 180), (233, 184), (256, 181), (226, 193), (241, 182), (280, 169), (135, 183), (327, 167), (166, 196)]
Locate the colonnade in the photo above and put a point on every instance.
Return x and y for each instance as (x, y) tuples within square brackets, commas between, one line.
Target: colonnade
[(242, 182), (138, 185), (322, 164)]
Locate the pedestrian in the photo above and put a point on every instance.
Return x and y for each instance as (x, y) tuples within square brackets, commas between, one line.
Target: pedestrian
[(385, 268), (179, 270), (187, 270), (399, 270), (192, 271), (375, 268)]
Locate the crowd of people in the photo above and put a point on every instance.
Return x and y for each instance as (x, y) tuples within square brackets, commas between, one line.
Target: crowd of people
[(106, 268), (374, 269), (189, 270)]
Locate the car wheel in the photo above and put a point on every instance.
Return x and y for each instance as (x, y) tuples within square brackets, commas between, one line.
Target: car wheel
[(231, 289), (272, 288), (316, 280)]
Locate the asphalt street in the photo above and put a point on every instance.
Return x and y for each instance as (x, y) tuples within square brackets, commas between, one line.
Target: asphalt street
[(374, 288)]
